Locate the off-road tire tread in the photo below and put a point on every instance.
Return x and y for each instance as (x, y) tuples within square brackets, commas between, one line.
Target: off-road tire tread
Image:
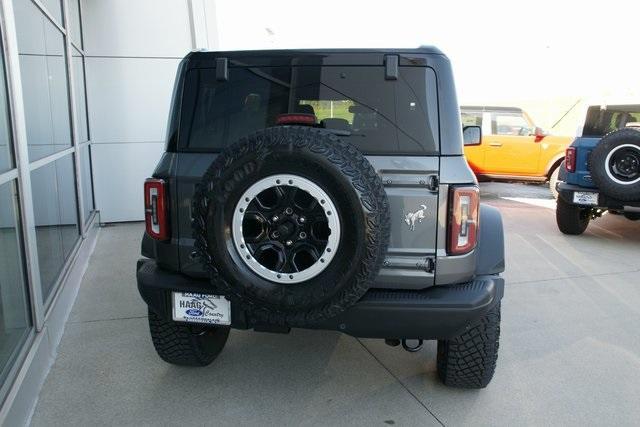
[(177, 344), (349, 161), (568, 218), (469, 360)]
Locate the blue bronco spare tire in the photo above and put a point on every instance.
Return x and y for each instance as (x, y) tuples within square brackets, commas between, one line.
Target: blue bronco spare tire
[(615, 164)]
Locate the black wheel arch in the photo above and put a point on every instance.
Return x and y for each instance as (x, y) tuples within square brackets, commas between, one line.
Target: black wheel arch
[(490, 249), (554, 166)]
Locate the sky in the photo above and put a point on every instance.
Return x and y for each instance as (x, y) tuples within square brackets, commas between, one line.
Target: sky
[(502, 51)]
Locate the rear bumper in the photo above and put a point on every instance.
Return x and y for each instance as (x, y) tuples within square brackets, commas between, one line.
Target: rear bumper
[(439, 312), (565, 192)]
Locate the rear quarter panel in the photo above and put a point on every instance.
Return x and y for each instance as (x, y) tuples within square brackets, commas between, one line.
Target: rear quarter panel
[(582, 176), (475, 157)]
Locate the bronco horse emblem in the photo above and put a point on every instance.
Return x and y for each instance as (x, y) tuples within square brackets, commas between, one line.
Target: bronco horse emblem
[(411, 218)]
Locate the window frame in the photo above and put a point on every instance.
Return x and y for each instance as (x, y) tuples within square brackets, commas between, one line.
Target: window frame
[(520, 114)]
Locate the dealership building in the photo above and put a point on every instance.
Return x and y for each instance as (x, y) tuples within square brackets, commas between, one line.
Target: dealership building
[(84, 97)]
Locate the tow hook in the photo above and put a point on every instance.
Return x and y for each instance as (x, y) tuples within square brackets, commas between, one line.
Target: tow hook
[(411, 349)]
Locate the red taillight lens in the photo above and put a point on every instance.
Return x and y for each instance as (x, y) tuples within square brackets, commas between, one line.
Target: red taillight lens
[(464, 205), (155, 209), (570, 159)]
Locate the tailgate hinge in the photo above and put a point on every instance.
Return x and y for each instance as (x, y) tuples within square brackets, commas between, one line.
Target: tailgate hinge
[(429, 265), (433, 183)]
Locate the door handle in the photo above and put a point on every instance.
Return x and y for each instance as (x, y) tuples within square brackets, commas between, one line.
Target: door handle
[(495, 144)]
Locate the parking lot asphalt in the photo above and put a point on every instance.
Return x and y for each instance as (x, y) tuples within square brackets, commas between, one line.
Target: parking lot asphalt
[(569, 348)]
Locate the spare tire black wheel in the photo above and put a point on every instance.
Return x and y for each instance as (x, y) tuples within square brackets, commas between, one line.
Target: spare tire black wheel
[(292, 223), (615, 164)]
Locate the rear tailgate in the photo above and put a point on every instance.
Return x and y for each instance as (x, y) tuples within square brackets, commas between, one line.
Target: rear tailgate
[(410, 258), (411, 185)]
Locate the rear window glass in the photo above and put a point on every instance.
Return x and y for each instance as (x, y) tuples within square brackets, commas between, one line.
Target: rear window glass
[(376, 115), (601, 121)]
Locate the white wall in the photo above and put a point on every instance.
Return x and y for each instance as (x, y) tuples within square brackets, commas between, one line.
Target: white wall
[(132, 51)]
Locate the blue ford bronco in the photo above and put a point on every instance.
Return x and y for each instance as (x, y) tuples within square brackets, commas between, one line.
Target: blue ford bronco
[(601, 171)]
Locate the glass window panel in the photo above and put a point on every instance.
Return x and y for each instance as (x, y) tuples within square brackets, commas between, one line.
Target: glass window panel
[(600, 121), (74, 22), (56, 218), (513, 124), (6, 159), (65, 176), (396, 117), (47, 218), (54, 7), (79, 94), (14, 309), (87, 182), (44, 81), (471, 118)]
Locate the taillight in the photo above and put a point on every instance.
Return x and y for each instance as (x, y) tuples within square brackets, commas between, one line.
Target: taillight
[(570, 159), (463, 219), (155, 209)]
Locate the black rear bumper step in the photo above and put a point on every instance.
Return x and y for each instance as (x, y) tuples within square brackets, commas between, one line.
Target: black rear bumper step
[(565, 192), (439, 312)]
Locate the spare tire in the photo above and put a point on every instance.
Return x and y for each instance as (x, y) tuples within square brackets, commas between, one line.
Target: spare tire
[(615, 164), (292, 223)]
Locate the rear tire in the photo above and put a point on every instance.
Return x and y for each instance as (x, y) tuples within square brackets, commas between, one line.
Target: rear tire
[(572, 219), (469, 360), (186, 345)]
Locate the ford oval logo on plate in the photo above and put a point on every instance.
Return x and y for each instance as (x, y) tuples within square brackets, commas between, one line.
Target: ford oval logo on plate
[(201, 308)]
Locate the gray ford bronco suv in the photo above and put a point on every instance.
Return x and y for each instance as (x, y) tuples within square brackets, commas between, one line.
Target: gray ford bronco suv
[(321, 189)]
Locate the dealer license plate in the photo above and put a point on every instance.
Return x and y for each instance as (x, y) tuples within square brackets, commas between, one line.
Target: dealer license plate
[(585, 198), (201, 308)]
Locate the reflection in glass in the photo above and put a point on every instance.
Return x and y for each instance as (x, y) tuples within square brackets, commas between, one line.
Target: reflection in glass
[(79, 94), (56, 218), (6, 162), (44, 81), (54, 7), (87, 184), (14, 311), (74, 22)]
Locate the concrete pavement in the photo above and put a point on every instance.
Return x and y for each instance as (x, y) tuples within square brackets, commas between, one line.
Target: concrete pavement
[(569, 351)]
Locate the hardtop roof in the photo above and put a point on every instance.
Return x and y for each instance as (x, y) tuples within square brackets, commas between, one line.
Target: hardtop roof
[(317, 57), (487, 108), (426, 50)]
